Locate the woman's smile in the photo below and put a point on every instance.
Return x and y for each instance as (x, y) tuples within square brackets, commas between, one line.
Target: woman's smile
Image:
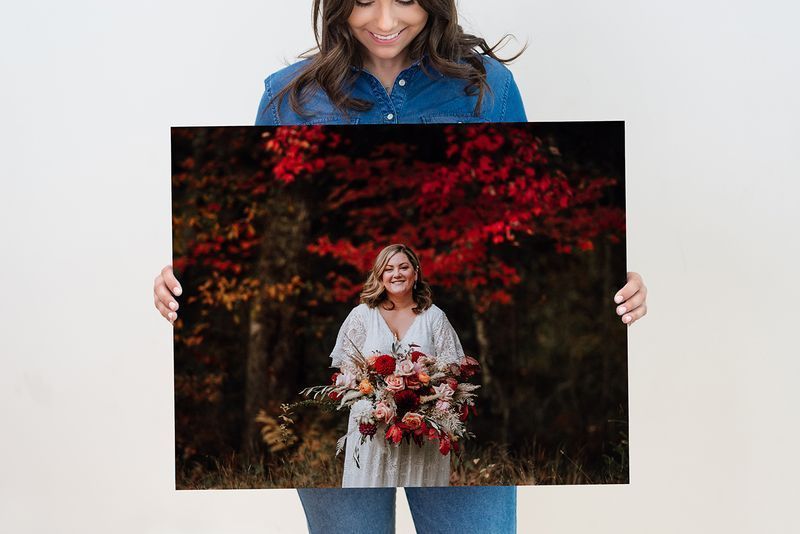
[(385, 39)]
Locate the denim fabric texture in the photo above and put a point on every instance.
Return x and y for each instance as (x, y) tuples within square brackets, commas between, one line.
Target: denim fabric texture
[(416, 98), (450, 510)]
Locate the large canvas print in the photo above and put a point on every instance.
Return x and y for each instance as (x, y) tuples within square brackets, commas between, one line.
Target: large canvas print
[(420, 305)]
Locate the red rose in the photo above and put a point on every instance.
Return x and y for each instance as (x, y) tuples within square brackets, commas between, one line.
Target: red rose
[(406, 401), (394, 434), (334, 396), (385, 364), (444, 445), (412, 382), (452, 382), (420, 433), (334, 376), (416, 355)]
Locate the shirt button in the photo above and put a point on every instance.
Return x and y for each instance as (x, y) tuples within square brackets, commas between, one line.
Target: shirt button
[(401, 83), (390, 116)]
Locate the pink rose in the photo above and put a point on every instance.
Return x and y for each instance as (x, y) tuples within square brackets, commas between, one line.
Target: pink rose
[(442, 405), (413, 420), (395, 383), (404, 368), (383, 412)]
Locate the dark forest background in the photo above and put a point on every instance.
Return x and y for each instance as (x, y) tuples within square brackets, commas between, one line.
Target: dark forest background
[(520, 229)]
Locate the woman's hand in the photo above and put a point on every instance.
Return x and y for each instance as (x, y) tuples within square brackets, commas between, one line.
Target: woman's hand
[(631, 299), (164, 287)]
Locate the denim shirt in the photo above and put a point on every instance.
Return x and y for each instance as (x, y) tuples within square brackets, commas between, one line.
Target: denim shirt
[(416, 97)]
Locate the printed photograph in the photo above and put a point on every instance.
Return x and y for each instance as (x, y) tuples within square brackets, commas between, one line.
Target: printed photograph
[(411, 305)]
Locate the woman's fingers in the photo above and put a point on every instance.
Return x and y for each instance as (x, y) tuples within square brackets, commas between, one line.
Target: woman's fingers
[(165, 297), (169, 279), (635, 315), (631, 304), (168, 314), (633, 285), (165, 286), (632, 299)]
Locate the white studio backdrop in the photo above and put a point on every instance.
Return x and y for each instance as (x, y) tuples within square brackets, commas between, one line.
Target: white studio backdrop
[(708, 92)]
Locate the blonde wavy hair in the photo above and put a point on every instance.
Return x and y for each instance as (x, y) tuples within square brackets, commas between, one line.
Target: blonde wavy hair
[(374, 293)]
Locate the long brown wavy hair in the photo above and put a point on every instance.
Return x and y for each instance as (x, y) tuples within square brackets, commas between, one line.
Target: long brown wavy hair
[(374, 293), (449, 50)]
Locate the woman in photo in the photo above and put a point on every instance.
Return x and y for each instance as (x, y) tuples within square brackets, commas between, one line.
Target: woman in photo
[(396, 307), (390, 62)]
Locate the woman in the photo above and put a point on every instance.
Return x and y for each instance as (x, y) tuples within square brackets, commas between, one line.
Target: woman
[(396, 307), (389, 62), (386, 62)]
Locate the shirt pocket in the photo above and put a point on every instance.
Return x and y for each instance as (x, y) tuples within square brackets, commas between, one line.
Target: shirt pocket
[(328, 119), (450, 118)]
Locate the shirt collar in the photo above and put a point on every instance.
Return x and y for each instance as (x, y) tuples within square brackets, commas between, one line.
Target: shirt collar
[(415, 64)]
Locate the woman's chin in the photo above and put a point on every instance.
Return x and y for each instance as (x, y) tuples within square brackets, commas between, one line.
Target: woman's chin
[(398, 294)]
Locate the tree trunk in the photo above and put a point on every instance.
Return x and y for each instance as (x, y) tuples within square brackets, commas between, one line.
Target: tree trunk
[(499, 401), (272, 335), (255, 372)]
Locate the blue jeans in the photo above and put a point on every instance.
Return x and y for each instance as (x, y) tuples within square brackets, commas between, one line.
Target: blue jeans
[(455, 509)]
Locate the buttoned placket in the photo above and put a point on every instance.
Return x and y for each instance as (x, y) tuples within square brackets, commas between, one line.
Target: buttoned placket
[(391, 104), (401, 86)]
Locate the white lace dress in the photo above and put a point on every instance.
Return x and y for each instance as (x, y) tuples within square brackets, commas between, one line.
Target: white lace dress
[(381, 464)]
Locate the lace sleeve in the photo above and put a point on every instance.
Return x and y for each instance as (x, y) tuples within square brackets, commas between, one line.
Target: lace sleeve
[(352, 334), (445, 341)]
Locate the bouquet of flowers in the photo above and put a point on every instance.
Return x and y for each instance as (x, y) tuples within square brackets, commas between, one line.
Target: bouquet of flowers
[(407, 394)]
